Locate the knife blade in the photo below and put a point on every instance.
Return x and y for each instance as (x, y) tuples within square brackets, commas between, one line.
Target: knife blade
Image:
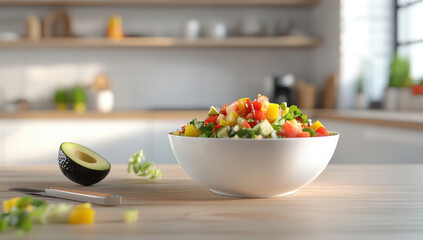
[(75, 195)]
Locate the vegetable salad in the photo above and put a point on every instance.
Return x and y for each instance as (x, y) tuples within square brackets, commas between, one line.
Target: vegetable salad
[(255, 119)]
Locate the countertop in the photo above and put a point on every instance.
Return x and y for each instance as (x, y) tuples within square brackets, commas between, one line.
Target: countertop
[(397, 119), (345, 202)]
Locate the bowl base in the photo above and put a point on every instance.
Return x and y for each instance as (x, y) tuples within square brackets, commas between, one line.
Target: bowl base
[(251, 196)]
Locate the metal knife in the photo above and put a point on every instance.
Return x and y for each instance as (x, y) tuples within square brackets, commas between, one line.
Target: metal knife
[(76, 195)]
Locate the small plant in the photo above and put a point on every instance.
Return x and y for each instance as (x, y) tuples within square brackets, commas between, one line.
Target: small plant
[(61, 99), (79, 99), (400, 73), (143, 168), (78, 94)]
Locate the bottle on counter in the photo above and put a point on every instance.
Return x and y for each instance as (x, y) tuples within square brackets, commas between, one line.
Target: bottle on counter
[(105, 97)]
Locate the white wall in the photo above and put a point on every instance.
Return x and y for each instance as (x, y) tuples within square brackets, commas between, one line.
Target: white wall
[(325, 22), (165, 78)]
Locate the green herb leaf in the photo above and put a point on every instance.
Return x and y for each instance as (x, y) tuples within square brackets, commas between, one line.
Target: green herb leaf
[(278, 123), (295, 111), (143, 168), (289, 116), (283, 106), (207, 131), (304, 118), (246, 133), (312, 133)]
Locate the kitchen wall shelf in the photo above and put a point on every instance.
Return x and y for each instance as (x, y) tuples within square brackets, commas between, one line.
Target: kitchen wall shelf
[(288, 41), (222, 3)]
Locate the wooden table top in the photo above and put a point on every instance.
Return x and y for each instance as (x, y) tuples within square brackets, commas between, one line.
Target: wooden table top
[(345, 202)]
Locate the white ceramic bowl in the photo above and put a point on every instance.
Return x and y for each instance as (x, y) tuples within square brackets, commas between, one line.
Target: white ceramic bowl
[(253, 168)]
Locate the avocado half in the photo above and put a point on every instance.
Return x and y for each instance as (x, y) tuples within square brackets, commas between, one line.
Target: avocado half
[(81, 164)]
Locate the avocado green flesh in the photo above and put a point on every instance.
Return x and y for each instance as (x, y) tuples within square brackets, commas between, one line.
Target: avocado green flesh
[(85, 156)]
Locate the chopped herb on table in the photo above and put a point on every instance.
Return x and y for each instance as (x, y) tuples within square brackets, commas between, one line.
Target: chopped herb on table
[(143, 168)]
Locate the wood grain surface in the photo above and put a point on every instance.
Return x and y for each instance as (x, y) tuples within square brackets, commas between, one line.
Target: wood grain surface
[(345, 202)]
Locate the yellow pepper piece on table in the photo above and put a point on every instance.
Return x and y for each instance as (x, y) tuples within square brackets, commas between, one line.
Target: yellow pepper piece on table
[(82, 214), (272, 112), (316, 125), (192, 131)]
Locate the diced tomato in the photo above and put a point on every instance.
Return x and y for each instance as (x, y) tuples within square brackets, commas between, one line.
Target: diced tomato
[(211, 119), (303, 134), (260, 115), (223, 109), (251, 123), (322, 131), (248, 106), (216, 127), (256, 106), (264, 102), (257, 111), (245, 124), (254, 123), (288, 130), (183, 129)]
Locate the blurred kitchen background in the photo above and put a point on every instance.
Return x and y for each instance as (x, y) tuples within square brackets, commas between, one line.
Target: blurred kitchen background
[(117, 76)]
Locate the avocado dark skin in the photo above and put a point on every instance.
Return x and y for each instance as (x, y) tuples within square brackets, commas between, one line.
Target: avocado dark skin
[(78, 173)]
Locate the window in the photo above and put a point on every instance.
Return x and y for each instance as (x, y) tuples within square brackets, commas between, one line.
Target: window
[(409, 34)]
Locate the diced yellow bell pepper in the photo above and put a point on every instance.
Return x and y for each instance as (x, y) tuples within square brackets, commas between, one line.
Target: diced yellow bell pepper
[(316, 125), (9, 204), (192, 131), (272, 112), (177, 133), (82, 214), (232, 119), (224, 122)]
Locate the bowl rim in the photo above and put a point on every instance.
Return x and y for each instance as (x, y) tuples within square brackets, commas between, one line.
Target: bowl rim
[(337, 134)]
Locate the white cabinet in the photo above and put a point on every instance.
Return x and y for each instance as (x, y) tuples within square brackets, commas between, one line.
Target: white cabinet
[(38, 141), (370, 144)]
